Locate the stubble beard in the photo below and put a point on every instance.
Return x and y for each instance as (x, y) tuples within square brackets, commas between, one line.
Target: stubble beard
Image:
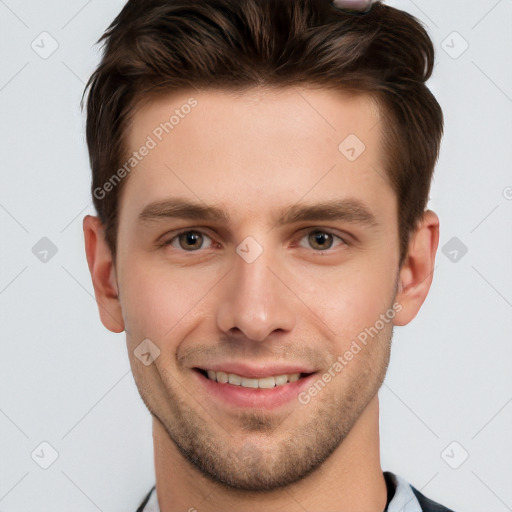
[(269, 451)]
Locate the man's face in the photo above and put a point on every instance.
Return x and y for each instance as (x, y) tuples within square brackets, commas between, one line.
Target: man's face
[(258, 290)]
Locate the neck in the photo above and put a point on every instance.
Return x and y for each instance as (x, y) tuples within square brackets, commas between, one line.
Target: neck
[(350, 480)]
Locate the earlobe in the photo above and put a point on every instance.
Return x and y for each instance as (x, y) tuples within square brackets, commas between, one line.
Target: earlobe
[(102, 269), (416, 274)]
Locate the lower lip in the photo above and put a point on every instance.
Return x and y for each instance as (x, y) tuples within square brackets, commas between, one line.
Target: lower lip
[(239, 396)]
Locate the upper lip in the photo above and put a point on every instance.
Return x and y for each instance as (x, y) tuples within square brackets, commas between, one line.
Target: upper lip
[(258, 371)]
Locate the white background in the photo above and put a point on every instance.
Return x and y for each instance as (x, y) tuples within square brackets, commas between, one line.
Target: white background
[(65, 380)]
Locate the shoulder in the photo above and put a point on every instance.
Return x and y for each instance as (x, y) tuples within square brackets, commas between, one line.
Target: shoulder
[(428, 505), (406, 498)]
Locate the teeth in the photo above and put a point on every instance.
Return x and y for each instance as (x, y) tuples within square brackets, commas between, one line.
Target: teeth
[(248, 383), (266, 382), (232, 378), (281, 379), (245, 382), (222, 377)]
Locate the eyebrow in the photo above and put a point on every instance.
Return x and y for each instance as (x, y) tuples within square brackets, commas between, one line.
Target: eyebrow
[(182, 209), (347, 210)]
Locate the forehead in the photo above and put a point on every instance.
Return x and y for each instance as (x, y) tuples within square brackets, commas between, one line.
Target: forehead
[(256, 148), (305, 113)]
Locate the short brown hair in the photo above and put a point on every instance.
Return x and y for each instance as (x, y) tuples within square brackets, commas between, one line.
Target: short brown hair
[(158, 46)]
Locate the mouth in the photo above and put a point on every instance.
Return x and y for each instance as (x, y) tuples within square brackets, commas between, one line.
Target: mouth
[(234, 379), (228, 389)]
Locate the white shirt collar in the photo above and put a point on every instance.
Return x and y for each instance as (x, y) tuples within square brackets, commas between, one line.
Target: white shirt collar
[(404, 499)]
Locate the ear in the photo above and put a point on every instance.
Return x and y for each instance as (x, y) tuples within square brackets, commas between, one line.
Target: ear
[(101, 267), (416, 274)]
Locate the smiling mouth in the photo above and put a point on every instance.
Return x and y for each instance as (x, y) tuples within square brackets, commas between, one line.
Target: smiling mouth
[(248, 382)]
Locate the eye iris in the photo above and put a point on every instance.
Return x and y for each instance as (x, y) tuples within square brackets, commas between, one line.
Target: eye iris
[(320, 240), (190, 239)]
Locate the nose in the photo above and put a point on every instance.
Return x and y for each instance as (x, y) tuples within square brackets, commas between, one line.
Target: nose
[(255, 303)]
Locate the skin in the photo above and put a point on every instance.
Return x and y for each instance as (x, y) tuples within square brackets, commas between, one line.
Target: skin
[(254, 154)]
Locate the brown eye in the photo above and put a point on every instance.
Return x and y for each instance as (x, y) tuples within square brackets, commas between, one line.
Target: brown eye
[(189, 241), (320, 240)]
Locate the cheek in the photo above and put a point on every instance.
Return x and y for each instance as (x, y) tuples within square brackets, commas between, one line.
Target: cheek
[(352, 298), (156, 301)]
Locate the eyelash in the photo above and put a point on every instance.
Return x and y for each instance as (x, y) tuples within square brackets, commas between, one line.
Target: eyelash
[(343, 241)]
